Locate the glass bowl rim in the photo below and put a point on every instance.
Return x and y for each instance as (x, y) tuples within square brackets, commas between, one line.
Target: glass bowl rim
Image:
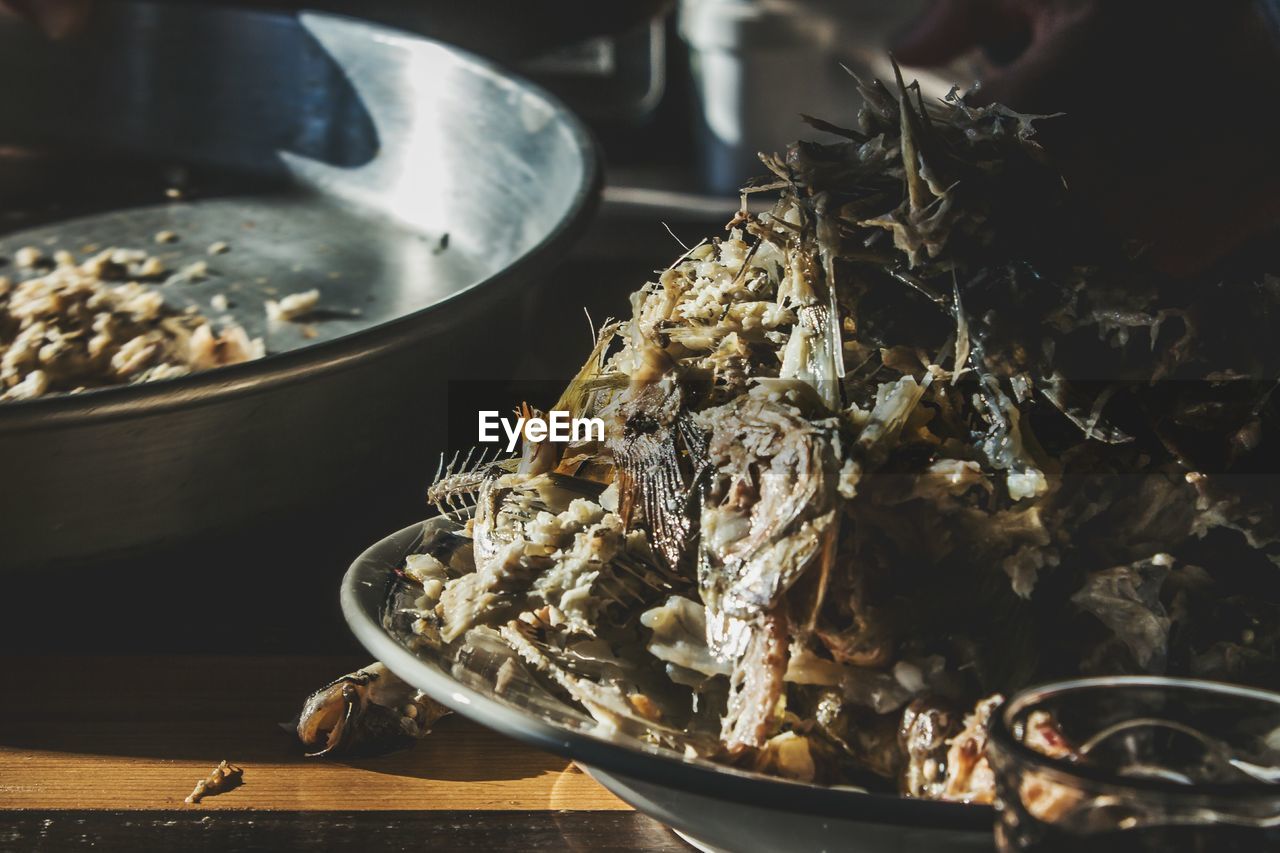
[(1001, 736)]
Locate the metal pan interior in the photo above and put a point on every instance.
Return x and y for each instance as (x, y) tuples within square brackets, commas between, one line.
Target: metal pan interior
[(389, 172), (328, 153)]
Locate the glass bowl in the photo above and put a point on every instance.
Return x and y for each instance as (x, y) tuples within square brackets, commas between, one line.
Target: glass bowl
[(1136, 764)]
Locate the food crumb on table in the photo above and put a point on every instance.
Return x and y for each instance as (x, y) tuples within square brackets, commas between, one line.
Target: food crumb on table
[(222, 778)]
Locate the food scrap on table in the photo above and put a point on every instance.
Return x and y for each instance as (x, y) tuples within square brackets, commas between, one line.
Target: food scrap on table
[(366, 712), (222, 778)]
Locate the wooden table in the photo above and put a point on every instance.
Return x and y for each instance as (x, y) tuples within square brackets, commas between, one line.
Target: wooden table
[(100, 752)]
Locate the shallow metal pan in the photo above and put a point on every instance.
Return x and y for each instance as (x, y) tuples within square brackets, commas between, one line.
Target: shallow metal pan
[(329, 153)]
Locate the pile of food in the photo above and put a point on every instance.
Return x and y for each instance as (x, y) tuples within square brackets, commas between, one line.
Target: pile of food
[(912, 438), (68, 326)]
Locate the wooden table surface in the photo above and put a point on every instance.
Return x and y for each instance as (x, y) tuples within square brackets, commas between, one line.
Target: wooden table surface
[(100, 752)]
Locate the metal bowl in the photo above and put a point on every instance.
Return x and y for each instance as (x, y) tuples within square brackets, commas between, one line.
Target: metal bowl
[(719, 807), (329, 153)]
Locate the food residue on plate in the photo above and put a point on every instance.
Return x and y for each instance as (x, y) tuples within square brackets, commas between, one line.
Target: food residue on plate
[(152, 267), (194, 271), (29, 257), (292, 307), (71, 326)]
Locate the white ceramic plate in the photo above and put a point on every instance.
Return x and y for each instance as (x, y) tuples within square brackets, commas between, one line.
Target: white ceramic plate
[(722, 808)]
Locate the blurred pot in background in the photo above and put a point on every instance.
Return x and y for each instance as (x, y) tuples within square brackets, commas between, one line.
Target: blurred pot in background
[(758, 64)]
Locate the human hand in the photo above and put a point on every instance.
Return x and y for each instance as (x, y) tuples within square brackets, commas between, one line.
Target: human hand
[(1170, 126)]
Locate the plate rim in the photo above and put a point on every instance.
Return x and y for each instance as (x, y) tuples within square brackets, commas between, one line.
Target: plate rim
[(364, 591)]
